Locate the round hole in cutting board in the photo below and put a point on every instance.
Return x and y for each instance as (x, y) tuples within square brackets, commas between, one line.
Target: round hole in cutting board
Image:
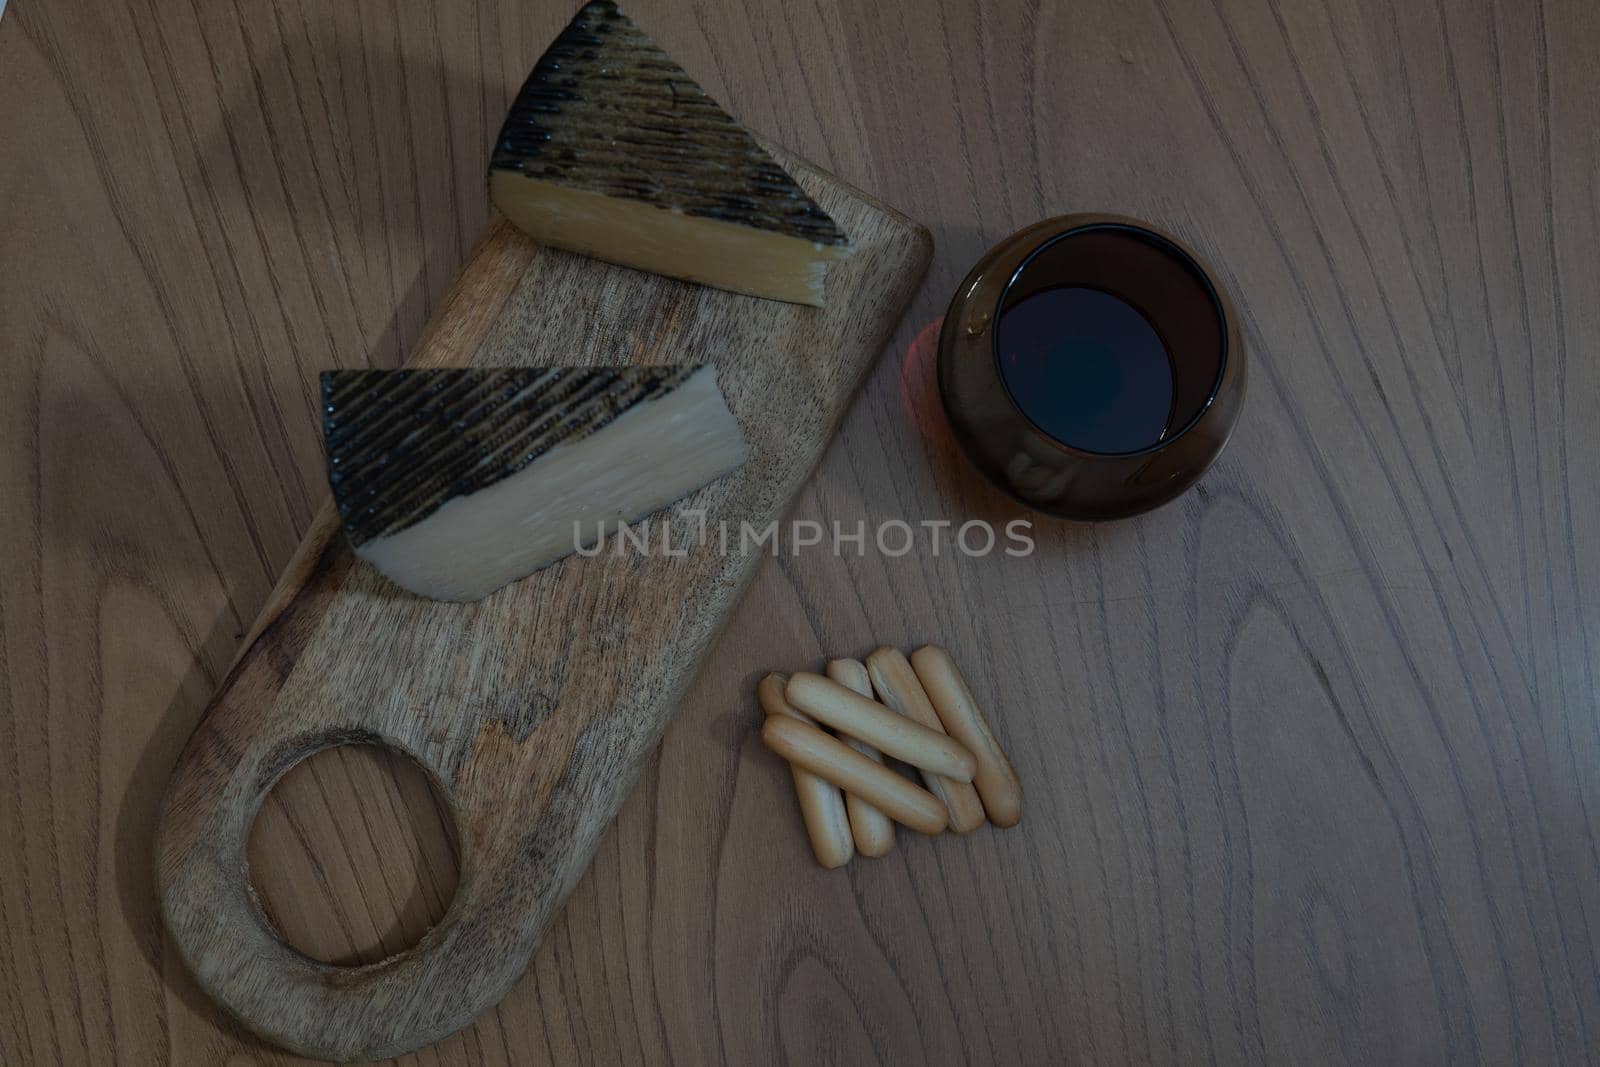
[(353, 855)]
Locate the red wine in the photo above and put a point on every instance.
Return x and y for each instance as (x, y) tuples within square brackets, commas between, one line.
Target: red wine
[(1088, 368), (1108, 341)]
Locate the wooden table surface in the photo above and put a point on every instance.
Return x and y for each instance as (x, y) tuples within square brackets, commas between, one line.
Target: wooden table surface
[(1311, 757)]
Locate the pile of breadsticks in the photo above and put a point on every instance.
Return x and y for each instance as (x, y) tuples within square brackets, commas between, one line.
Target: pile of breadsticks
[(849, 799)]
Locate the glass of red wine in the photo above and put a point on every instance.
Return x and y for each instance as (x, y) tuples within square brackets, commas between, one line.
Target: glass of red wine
[(1090, 367)]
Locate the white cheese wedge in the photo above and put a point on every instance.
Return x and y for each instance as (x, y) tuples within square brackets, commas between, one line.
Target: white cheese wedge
[(454, 483)]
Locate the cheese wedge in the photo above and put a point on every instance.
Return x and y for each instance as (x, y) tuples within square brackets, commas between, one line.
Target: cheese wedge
[(613, 151), (455, 482)]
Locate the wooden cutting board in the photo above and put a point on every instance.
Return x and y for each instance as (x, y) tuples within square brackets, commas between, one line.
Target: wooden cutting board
[(534, 709)]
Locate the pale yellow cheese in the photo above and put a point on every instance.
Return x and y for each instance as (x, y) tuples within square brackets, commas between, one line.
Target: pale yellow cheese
[(727, 255), (611, 150)]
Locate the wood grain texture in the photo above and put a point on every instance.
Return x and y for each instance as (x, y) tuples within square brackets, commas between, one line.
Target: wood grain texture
[(533, 709), (1310, 756)]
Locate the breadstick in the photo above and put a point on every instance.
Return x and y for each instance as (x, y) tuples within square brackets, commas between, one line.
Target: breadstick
[(996, 780), (821, 806), (893, 735), (873, 830), (898, 687), (832, 760)]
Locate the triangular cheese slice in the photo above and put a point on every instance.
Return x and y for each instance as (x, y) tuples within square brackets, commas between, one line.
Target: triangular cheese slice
[(613, 151), (456, 482)]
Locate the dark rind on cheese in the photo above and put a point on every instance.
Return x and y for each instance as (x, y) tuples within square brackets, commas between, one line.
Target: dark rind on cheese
[(607, 111), (401, 443)]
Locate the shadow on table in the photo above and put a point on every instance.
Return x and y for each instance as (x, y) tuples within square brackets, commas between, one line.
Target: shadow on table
[(312, 176)]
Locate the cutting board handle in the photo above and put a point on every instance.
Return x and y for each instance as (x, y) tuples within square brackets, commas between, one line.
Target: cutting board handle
[(230, 765)]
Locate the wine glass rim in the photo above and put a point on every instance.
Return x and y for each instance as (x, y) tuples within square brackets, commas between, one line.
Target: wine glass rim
[(1167, 245)]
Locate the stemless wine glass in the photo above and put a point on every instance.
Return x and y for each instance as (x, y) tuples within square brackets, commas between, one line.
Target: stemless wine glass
[(1090, 367)]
